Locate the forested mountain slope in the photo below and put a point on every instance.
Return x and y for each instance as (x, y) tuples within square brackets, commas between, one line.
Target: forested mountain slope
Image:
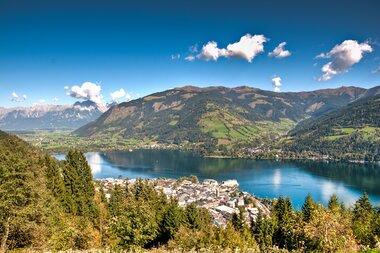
[(43, 201), (352, 131), (217, 116)]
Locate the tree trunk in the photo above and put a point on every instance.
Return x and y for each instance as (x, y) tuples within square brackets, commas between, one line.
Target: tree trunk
[(3, 246)]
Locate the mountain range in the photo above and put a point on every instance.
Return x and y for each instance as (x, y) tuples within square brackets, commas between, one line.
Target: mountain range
[(49, 116), (227, 121), (224, 118)]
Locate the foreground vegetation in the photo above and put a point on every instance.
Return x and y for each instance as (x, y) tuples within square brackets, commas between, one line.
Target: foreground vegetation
[(51, 205)]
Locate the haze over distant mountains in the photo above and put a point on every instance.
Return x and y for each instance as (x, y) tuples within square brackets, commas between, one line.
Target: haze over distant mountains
[(49, 116)]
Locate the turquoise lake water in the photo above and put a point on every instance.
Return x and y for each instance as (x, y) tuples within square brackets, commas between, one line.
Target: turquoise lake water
[(263, 178)]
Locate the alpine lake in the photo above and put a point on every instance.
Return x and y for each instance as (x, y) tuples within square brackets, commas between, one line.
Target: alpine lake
[(263, 178)]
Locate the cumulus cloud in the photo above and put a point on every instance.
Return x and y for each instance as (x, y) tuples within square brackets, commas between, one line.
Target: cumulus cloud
[(210, 51), (279, 52), (277, 83), (190, 58), (87, 91), (343, 56), (175, 57), (248, 47), (16, 98), (55, 99), (120, 95)]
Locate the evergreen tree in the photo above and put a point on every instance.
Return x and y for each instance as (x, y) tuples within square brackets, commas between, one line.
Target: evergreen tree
[(193, 220), (284, 218), (54, 178), (79, 185), (333, 204), (308, 208), (363, 216), (171, 221), (22, 193), (238, 219), (263, 230)]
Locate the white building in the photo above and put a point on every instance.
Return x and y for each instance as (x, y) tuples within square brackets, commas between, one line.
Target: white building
[(230, 183)]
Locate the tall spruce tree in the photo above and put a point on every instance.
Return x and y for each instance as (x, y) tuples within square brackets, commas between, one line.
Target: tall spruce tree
[(79, 185), (363, 217), (308, 208), (238, 219), (54, 178), (171, 221), (284, 217), (333, 204), (263, 230)]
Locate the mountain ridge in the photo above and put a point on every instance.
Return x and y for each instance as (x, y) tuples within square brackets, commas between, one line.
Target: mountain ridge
[(39, 117), (217, 116)]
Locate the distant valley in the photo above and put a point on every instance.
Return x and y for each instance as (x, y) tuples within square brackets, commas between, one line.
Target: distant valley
[(219, 121)]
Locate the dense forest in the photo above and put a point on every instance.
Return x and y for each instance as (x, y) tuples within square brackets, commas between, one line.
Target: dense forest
[(47, 205), (351, 133)]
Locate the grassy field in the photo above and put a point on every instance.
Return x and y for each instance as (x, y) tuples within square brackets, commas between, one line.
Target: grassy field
[(61, 141), (229, 128), (366, 132)]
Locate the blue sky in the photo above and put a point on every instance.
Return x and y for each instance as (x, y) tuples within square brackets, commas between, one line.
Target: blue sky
[(47, 45)]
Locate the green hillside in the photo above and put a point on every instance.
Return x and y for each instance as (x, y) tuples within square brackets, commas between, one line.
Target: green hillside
[(351, 132), (216, 117)]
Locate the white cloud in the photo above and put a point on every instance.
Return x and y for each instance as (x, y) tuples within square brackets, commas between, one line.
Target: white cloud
[(247, 48), (276, 82), (175, 57), (210, 51), (120, 95), (190, 58), (376, 70), (16, 98), (88, 91), (343, 56), (279, 52), (55, 99)]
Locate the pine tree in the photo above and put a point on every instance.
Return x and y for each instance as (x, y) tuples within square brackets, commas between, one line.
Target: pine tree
[(79, 185), (363, 216), (284, 218), (333, 204), (22, 194), (263, 230), (54, 178), (193, 220), (308, 208), (171, 221), (238, 219)]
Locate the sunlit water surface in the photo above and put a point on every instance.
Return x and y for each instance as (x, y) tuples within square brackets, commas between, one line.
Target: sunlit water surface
[(263, 178)]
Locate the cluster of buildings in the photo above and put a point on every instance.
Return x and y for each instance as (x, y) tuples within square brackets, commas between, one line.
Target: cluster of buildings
[(222, 199)]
